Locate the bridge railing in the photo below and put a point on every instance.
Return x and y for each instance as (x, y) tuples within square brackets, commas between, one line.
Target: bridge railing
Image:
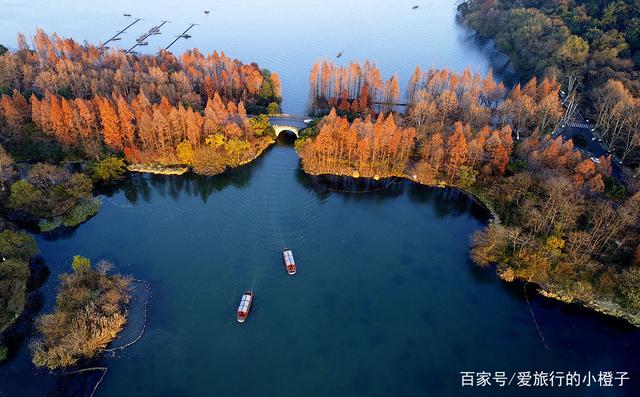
[(289, 116)]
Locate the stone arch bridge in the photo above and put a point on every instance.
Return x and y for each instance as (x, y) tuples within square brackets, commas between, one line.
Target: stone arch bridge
[(289, 122)]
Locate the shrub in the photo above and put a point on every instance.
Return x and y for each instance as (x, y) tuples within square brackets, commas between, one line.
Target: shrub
[(109, 170), (90, 312), (614, 189), (49, 191), (49, 224), (81, 212), (629, 288), (3, 353), (274, 108), (14, 274), (184, 151), (17, 245), (24, 196), (80, 264)]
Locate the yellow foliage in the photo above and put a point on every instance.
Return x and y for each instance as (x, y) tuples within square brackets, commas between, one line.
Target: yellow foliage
[(184, 151), (215, 140), (555, 242)]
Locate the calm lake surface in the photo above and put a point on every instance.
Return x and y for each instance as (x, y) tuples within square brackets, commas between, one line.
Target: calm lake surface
[(286, 36), (385, 302)]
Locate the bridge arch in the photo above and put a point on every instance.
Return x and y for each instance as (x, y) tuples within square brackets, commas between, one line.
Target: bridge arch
[(282, 128)]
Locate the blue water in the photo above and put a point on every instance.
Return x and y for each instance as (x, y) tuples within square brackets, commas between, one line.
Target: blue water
[(385, 301), (286, 36)]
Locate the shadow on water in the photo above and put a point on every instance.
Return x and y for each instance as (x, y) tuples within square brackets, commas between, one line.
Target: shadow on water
[(446, 201), (281, 163), (138, 186)]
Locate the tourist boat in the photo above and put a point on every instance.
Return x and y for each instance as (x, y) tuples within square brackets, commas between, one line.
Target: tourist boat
[(244, 307), (415, 7), (289, 263), (127, 15), (339, 54)]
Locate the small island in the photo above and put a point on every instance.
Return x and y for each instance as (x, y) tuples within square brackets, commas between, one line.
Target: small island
[(90, 312)]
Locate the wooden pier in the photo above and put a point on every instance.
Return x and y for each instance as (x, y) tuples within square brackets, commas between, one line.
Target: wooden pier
[(183, 35), (140, 41), (117, 35)]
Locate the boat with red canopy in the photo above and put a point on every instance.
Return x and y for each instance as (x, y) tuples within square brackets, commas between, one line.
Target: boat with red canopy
[(289, 263), (245, 306)]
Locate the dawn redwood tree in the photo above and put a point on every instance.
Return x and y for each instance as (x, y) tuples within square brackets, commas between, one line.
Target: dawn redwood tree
[(112, 134)]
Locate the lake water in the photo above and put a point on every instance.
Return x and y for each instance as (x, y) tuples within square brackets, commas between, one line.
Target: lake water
[(385, 301), (286, 36)]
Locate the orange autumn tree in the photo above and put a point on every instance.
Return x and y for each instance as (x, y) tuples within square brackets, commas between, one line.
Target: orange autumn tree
[(353, 89), (110, 124)]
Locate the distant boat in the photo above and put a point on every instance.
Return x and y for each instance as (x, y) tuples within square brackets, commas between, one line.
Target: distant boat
[(414, 7), (206, 11), (127, 15), (116, 38), (185, 36), (244, 307), (289, 263), (339, 54)]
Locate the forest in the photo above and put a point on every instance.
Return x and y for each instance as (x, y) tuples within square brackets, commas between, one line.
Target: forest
[(63, 99), (353, 90), (563, 221), (72, 117), (592, 48)]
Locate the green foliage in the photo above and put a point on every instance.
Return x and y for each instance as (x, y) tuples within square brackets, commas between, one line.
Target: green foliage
[(256, 109), (80, 264), (34, 145), (4, 352), (24, 196), (109, 170), (573, 53), (311, 130), (47, 225), (49, 191), (517, 166), (259, 124), (14, 274), (467, 177), (274, 108), (17, 245), (614, 189), (266, 90), (629, 288), (3, 50), (84, 210), (81, 212), (588, 39)]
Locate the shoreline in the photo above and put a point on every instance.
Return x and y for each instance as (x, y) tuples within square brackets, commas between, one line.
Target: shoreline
[(181, 169), (604, 307)]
